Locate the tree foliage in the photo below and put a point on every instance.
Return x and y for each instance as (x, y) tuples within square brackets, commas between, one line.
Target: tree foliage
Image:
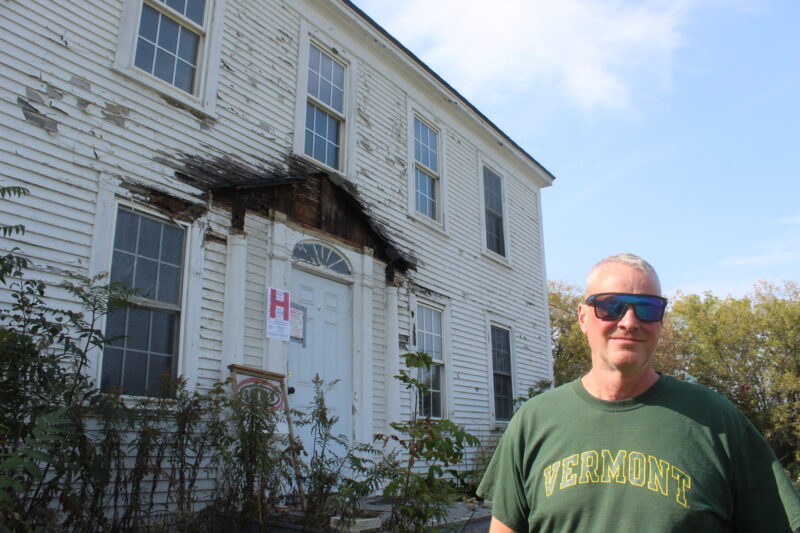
[(571, 354), (748, 349)]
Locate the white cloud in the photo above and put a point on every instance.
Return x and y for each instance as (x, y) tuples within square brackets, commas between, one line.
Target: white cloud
[(594, 54)]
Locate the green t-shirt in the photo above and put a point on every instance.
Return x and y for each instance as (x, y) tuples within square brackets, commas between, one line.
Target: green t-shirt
[(678, 458)]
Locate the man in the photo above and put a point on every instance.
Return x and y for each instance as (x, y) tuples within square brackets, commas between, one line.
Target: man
[(625, 449)]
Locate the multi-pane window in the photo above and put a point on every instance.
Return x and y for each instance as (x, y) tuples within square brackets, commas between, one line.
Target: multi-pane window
[(324, 108), (169, 38), (426, 168), (148, 257), (501, 369), (429, 340), (493, 205)]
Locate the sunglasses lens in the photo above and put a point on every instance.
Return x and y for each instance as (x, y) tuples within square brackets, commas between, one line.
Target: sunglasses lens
[(609, 308), (613, 306), (651, 310)]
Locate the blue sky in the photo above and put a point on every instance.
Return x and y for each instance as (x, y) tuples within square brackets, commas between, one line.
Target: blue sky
[(672, 126)]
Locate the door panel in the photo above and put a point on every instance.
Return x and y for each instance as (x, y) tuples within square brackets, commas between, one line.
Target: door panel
[(326, 350)]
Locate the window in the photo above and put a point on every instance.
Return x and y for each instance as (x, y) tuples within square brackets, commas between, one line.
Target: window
[(320, 255), (324, 108), (169, 41), (429, 340), (426, 169), (148, 256), (493, 206), (173, 47), (501, 370)]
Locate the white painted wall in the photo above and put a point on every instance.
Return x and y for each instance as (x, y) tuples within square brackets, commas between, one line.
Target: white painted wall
[(99, 129)]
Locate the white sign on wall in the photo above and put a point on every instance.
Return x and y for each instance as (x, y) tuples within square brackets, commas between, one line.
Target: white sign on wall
[(278, 323)]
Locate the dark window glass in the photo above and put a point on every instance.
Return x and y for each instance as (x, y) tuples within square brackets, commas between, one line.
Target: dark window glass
[(146, 332), (501, 366), (127, 232), (187, 47), (184, 76), (429, 340), (165, 65), (323, 125), (177, 5), (319, 255), (122, 268), (145, 55), (493, 200), (167, 48), (425, 193), (168, 34), (322, 136), (169, 283), (195, 10), (148, 24)]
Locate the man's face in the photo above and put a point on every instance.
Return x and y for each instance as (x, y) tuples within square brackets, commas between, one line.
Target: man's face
[(625, 345)]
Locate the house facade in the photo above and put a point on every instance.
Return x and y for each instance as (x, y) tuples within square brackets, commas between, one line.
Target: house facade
[(242, 160)]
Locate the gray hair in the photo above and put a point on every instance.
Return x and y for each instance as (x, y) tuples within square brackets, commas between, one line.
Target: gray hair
[(630, 260)]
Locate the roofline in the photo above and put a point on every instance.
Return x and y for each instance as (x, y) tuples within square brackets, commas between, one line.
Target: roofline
[(449, 87)]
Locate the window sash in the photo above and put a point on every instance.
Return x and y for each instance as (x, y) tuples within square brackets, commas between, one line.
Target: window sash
[(426, 146), (430, 340), (493, 207), (425, 193), (322, 135), (169, 43), (325, 107), (426, 169), (326, 81), (148, 255), (501, 370), (430, 401)]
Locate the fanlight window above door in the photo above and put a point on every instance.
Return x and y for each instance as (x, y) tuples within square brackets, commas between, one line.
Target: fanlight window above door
[(320, 255)]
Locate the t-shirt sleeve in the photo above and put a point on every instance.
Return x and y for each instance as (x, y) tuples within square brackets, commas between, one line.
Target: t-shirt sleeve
[(504, 482), (764, 498)]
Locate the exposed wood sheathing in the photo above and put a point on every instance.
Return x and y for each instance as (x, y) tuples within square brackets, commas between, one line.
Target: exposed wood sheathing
[(308, 196)]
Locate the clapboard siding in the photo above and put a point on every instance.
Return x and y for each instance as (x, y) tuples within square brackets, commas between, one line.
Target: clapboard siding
[(96, 132), (378, 348)]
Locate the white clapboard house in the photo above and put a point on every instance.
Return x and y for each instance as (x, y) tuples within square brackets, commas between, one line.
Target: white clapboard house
[(208, 152)]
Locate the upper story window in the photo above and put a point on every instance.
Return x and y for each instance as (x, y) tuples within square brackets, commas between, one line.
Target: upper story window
[(501, 370), (173, 46), (148, 256), (429, 340), (325, 108), (426, 169), (168, 43), (493, 207)]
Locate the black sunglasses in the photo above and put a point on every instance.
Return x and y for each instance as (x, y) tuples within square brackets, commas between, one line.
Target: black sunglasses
[(613, 305)]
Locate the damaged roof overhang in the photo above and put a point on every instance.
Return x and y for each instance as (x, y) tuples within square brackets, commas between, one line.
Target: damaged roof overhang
[(215, 174)]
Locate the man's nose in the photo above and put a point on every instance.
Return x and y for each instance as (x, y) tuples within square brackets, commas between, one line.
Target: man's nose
[(629, 319)]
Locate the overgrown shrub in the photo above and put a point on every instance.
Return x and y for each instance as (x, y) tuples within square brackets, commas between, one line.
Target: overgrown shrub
[(422, 487), (340, 474), (252, 460)]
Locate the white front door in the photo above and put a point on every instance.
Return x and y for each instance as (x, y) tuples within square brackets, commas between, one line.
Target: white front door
[(326, 350)]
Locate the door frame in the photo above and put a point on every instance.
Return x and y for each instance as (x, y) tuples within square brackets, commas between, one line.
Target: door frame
[(361, 281)]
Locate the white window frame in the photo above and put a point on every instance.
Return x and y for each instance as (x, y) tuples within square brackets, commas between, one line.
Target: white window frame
[(493, 322), (443, 362), (416, 112), (309, 36), (495, 169), (203, 99), (188, 335)]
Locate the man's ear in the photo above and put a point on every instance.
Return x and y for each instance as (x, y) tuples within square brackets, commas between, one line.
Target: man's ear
[(582, 310)]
